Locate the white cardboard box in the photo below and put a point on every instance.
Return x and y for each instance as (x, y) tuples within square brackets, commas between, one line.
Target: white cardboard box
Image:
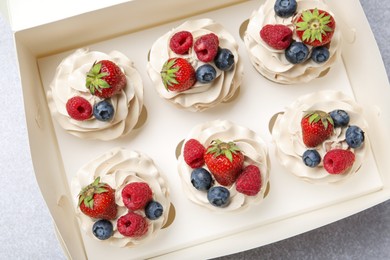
[(45, 36)]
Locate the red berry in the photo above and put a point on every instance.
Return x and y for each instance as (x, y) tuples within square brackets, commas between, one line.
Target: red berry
[(181, 42), (178, 74), (132, 225), (338, 161), (249, 181), (206, 47), (317, 126), (277, 36), (136, 195), (79, 108), (193, 153)]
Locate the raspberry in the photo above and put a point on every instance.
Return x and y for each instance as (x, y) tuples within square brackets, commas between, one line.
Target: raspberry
[(181, 42), (277, 36), (206, 47), (79, 108), (249, 181), (136, 195), (193, 153), (338, 161), (132, 225)]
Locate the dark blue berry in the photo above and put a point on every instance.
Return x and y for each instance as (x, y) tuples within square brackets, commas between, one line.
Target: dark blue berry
[(340, 118), (205, 73), (354, 136), (297, 52), (311, 158), (218, 196), (153, 210), (201, 179), (285, 8), (320, 54), (103, 111), (224, 60), (102, 229)]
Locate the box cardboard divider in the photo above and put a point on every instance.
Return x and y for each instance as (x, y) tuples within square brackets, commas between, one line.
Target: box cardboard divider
[(361, 64)]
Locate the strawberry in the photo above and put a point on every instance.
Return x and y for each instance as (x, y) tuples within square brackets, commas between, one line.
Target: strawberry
[(132, 225), (338, 161), (181, 42), (224, 160), (193, 153), (206, 47), (249, 181), (277, 36), (317, 126), (97, 200), (79, 108), (105, 79), (178, 74), (136, 195), (315, 27)]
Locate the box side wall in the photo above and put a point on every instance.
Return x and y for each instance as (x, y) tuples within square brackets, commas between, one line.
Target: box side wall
[(4, 10)]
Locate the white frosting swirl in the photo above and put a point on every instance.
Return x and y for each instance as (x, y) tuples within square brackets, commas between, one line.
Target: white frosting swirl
[(272, 63), (200, 96), (118, 168), (251, 145), (69, 81), (287, 135)]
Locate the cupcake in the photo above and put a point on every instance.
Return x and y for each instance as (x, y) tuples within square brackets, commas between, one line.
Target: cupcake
[(196, 65), (95, 95)]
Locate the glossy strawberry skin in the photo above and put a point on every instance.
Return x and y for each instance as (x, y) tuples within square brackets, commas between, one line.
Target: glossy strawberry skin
[(338, 161), (178, 74), (314, 133)]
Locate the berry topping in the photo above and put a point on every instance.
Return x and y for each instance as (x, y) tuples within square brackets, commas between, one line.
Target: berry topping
[(102, 229), (320, 54), (105, 79), (193, 153), (201, 179), (315, 27), (178, 74), (218, 196), (79, 108), (97, 200), (132, 225), (181, 42), (317, 126), (205, 73), (136, 195), (338, 161), (311, 158), (224, 160), (103, 111), (297, 52), (277, 36), (206, 47), (285, 8), (153, 210), (340, 118), (249, 181), (224, 60), (354, 136)]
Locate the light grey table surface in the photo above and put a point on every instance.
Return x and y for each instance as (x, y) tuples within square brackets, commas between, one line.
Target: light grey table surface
[(26, 226)]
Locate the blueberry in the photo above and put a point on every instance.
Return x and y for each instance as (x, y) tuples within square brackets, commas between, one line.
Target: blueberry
[(340, 118), (205, 73), (311, 158), (354, 136), (102, 229), (285, 8), (218, 196), (297, 52), (153, 210), (201, 179), (320, 54), (103, 111), (224, 60)]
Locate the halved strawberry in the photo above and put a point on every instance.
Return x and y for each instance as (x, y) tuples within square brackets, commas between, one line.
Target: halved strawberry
[(178, 74), (317, 126)]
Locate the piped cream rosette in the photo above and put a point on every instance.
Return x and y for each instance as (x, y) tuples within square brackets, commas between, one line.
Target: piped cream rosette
[(254, 150), (69, 81), (287, 135), (118, 168), (200, 96), (272, 63)]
